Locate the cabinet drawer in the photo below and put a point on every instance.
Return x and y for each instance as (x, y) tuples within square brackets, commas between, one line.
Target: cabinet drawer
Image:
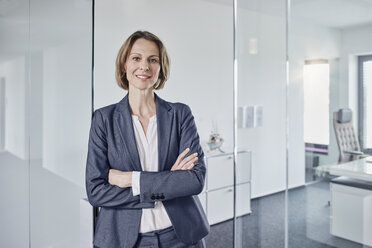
[(220, 172), (243, 199), (243, 167), (220, 205)]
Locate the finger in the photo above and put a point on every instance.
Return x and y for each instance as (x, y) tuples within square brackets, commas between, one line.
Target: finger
[(180, 158), (182, 155), (187, 164), (190, 164), (188, 159)]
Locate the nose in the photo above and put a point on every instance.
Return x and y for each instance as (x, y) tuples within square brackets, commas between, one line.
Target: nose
[(145, 65)]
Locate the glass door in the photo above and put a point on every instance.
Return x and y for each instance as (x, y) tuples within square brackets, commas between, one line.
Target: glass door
[(60, 111), (45, 111), (328, 206), (198, 39), (14, 132), (260, 123)]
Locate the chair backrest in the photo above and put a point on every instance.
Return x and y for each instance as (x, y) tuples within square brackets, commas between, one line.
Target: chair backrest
[(345, 135)]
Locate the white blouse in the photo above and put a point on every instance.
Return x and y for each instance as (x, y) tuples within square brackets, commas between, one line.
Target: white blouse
[(152, 218)]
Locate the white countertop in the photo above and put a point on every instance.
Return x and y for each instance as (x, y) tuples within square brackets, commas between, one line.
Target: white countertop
[(358, 169)]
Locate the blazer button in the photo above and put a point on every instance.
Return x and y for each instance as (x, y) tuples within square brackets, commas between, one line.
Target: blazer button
[(153, 197)]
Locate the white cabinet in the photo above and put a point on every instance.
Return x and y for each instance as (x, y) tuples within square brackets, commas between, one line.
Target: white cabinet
[(203, 200), (243, 199), (220, 172), (220, 205), (218, 193), (351, 215)]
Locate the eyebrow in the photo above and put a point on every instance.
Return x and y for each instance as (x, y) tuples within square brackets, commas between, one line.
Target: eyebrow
[(154, 55)]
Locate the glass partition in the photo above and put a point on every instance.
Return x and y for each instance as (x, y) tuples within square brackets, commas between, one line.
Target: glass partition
[(200, 50), (326, 40), (60, 112), (269, 84), (260, 91), (45, 110), (14, 116)]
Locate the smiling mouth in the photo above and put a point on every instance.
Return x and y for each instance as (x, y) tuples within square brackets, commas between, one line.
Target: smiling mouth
[(143, 76)]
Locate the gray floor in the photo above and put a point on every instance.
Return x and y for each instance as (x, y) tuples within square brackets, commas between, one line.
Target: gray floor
[(308, 222)]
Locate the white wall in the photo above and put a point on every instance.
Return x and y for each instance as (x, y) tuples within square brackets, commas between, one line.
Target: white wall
[(262, 82), (308, 41), (200, 50), (340, 47), (65, 90), (355, 41), (14, 72)]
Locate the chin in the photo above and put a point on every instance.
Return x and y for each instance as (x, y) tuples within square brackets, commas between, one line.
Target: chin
[(144, 87)]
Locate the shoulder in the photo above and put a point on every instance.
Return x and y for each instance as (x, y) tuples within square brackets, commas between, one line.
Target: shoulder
[(180, 109), (104, 113), (179, 106), (107, 110)]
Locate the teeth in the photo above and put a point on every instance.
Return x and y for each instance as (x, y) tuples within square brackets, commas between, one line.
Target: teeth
[(142, 77)]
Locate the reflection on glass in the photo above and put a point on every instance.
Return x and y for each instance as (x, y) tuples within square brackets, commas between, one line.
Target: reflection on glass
[(60, 113), (331, 211), (261, 124), (14, 112), (200, 51), (316, 102)]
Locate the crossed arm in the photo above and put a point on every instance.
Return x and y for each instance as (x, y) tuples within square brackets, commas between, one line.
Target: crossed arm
[(112, 188), (123, 179)]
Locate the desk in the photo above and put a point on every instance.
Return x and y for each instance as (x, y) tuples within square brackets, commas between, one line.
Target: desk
[(358, 169), (351, 200)]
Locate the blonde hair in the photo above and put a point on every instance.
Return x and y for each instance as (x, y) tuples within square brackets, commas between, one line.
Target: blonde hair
[(124, 51)]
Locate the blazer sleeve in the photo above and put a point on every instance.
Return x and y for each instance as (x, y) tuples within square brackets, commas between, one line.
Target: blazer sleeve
[(166, 185), (100, 193)]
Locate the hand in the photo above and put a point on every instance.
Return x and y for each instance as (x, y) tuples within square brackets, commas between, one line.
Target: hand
[(185, 163), (122, 179)]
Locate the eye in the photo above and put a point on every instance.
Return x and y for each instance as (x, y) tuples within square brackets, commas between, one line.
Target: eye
[(136, 58), (153, 60)]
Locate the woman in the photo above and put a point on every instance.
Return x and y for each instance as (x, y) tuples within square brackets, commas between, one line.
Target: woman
[(145, 164)]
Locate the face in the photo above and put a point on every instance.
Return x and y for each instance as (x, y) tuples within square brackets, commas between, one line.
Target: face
[(143, 65)]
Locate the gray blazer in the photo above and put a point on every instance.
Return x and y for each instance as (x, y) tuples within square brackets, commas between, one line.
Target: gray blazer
[(112, 144)]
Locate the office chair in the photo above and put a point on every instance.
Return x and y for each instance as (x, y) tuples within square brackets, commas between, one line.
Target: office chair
[(347, 140)]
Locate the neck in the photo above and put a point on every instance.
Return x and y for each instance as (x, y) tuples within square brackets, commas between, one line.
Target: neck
[(142, 102)]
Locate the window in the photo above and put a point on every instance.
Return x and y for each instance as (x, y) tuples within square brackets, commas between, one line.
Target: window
[(316, 105), (365, 102)]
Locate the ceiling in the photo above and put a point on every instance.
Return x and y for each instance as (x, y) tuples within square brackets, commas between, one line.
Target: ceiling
[(333, 13), (328, 13), (58, 18)]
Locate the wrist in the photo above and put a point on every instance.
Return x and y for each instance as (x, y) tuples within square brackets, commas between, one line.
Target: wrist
[(128, 179)]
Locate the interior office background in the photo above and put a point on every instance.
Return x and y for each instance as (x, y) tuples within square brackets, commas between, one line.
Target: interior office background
[(52, 77)]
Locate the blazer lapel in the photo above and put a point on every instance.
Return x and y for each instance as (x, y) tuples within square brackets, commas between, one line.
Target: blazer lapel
[(123, 119), (164, 121), (164, 117)]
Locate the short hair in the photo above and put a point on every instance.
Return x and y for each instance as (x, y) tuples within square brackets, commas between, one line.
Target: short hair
[(123, 54)]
